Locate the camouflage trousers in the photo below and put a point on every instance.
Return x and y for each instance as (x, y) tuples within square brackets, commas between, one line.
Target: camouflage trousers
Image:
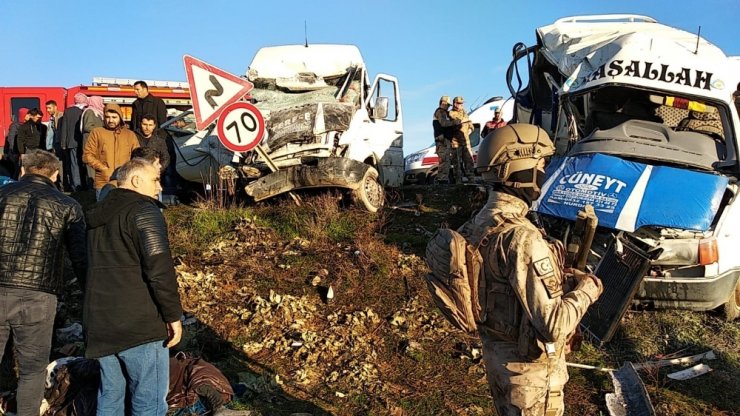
[(521, 388), (444, 152), (463, 160)]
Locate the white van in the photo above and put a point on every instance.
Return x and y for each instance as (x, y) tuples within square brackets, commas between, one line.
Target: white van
[(327, 126), (646, 132)]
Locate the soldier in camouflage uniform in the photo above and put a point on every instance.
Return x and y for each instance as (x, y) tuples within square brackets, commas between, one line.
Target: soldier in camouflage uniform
[(461, 141), (443, 125), (530, 305)]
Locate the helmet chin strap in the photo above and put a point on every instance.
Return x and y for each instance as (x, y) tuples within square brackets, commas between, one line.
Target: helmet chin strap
[(524, 188)]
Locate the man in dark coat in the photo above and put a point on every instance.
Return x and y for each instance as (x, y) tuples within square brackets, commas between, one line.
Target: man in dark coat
[(132, 307), (151, 136), (31, 133), (146, 103), (40, 228), (10, 151), (70, 141)]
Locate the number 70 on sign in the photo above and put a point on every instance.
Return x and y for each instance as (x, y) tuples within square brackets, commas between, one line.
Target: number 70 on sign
[(240, 127)]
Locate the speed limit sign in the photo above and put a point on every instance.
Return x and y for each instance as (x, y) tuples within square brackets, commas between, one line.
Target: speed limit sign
[(240, 127)]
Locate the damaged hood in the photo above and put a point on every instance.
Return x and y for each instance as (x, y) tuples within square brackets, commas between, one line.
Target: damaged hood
[(628, 195), (640, 53), (290, 60)]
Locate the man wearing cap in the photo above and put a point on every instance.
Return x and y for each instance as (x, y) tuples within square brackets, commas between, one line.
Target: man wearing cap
[(461, 141), (109, 147), (496, 122), (443, 127)]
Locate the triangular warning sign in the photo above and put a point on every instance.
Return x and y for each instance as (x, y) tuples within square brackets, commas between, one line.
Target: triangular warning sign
[(212, 89)]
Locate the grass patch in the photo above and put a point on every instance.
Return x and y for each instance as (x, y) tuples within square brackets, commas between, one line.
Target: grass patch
[(193, 230), (384, 274)]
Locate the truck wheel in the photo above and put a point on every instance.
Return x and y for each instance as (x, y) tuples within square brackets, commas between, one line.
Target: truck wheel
[(370, 194), (732, 307)]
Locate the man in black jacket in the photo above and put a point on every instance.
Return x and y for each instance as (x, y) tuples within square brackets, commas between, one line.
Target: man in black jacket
[(132, 307), (39, 228), (151, 136), (146, 103), (31, 133)]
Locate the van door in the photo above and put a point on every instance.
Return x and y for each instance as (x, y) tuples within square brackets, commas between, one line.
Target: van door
[(385, 130)]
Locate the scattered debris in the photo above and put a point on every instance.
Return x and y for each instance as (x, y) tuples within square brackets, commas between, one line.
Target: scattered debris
[(709, 355), (630, 398), (695, 371), (70, 333)]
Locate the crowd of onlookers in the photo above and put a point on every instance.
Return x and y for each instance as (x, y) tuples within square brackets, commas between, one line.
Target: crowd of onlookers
[(118, 250), (90, 138)]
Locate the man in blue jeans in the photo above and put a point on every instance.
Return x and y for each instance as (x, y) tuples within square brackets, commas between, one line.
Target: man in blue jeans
[(132, 307), (40, 228)]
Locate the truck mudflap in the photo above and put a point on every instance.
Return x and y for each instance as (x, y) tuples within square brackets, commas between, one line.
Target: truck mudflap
[(692, 293), (331, 172)]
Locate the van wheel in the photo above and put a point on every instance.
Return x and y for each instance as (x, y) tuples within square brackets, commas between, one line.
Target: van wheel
[(369, 194), (732, 307)]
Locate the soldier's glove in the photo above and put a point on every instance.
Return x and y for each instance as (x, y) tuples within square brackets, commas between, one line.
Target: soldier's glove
[(584, 279)]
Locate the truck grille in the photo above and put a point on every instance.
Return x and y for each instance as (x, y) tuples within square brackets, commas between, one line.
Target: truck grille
[(621, 270)]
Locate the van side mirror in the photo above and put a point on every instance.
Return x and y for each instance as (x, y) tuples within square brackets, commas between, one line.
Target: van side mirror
[(380, 108)]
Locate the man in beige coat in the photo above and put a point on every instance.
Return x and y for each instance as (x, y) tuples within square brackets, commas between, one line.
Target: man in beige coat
[(109, 147), (530, 304)]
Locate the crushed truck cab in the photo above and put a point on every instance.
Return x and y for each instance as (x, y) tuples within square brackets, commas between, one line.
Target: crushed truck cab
[(647, 133), (327, 126)]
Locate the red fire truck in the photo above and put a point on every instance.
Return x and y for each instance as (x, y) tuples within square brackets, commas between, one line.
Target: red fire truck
[(176, 96)]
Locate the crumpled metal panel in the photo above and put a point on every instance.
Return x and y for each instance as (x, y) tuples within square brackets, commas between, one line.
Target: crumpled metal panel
[(306, 121), (327, 172)]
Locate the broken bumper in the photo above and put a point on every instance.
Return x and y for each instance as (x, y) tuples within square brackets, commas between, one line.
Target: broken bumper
[(693, 293), (331, 172)]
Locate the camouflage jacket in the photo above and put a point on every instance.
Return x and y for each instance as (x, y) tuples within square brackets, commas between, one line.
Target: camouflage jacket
[(524, 296)]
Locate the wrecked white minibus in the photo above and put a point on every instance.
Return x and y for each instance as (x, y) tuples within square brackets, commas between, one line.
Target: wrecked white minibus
[(327, 125), (646, 133)]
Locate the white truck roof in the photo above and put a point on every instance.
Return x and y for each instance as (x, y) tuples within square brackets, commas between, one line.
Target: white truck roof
[(107, 81), (289, 60), (637, 50)]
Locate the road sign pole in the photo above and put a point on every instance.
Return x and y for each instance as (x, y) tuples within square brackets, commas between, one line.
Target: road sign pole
[(274, 168)]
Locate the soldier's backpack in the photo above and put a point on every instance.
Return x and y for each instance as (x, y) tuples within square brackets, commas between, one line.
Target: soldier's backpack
[(455, 271)]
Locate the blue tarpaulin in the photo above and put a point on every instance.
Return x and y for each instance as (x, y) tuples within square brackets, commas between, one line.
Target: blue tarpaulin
[(629, 195)]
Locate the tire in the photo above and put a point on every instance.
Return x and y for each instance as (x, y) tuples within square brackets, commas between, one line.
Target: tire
[(369, 195), (731, 309)]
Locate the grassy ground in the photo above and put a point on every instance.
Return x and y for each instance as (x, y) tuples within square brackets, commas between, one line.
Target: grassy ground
[(257, 278)]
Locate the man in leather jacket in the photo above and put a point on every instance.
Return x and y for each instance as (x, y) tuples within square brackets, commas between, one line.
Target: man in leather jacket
[(39, 228), (132, 307)]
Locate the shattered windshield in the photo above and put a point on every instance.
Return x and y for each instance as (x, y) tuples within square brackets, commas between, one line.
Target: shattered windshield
[(651, 126), (302, 108)]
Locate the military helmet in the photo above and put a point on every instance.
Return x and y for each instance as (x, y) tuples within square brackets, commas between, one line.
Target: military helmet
[(444, 99), (513, 148), (458, 99)]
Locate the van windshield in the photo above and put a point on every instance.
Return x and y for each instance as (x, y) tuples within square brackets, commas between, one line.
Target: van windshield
[(652, 126)]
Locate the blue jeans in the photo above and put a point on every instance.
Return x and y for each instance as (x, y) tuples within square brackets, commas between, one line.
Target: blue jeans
[(29, 316), (144, 371)]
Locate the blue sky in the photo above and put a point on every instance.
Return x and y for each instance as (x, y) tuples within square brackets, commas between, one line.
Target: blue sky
[(434, 47)]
